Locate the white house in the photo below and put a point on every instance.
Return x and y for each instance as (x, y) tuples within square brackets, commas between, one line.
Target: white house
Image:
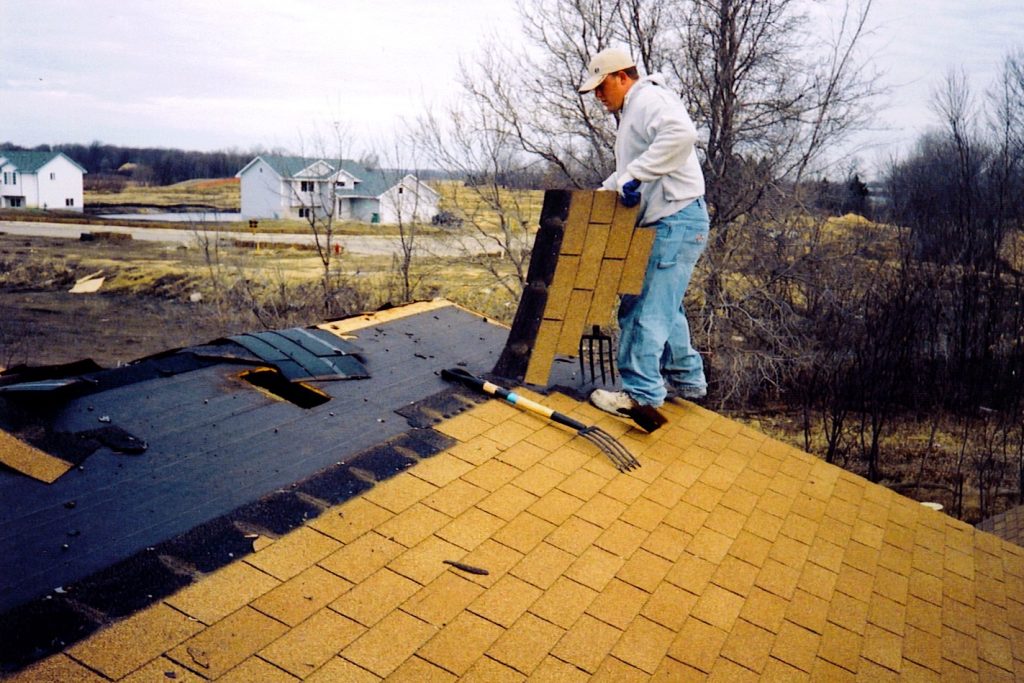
[(292, 187), (40, 180)]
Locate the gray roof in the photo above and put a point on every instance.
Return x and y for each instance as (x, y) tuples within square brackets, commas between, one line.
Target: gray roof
[(373, 182), (226, 446), (30, 162)]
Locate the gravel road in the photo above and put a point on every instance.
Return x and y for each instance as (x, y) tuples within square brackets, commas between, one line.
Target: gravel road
[(369, 245)]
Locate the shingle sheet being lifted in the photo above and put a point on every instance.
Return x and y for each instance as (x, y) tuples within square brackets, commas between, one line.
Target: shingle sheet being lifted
[(303, 354)]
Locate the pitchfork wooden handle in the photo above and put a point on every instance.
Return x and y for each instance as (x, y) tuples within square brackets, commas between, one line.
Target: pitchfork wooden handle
[(473, 382), (619, 455)]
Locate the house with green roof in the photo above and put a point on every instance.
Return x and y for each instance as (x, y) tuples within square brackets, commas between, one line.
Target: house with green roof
[(274, 186), (40, 180)]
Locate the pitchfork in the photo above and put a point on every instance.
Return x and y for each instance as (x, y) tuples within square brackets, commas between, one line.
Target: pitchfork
[(603, 343), (616, 452)]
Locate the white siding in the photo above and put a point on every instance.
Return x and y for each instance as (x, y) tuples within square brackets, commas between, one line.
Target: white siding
[(410, 201), (264, 193), (56, 185), (10, 185)]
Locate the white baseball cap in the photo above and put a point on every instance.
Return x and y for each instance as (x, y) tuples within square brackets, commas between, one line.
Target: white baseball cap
[(605, 62)]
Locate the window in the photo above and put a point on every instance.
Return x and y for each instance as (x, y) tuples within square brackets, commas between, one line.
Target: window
[(15, 202), (14, 178), (341, 183), (401, 189), (69, 201), (308, 186), (5, 177), (53, 176), (304, 212)]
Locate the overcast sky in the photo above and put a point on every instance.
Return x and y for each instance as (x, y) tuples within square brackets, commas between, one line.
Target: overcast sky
[(219, 74)]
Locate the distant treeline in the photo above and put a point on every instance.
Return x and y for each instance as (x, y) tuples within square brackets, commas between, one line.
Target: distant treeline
[(157, 166), (149, 164)]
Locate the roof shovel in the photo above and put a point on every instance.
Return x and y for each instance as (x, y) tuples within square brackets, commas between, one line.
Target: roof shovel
[(616, 452)]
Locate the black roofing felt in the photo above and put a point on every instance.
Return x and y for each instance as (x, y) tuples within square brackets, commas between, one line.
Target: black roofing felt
[(222, 457)]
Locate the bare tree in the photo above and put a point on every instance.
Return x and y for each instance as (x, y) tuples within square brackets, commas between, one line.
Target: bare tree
[(567, 131), (409, 204), (475, 145), (317, 188), (772, 96)]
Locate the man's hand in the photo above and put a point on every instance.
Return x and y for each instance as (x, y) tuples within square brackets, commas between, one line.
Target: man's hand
[(628, 188)]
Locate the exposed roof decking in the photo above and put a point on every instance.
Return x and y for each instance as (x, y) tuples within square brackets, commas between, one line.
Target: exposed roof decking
[(216, 443), (727, 555)]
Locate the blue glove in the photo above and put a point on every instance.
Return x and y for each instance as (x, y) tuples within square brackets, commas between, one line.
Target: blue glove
[(631, 194)]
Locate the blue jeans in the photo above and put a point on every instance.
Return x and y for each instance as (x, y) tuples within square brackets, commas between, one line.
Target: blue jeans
[(654, 341)]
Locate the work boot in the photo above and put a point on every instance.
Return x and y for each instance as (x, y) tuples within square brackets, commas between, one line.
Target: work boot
[(622, 404)]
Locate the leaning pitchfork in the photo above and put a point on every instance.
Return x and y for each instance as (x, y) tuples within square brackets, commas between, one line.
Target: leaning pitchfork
[(603, 344), (616, 452)]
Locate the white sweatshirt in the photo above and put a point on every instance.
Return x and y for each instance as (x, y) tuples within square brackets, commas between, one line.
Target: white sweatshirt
[(655, 145)]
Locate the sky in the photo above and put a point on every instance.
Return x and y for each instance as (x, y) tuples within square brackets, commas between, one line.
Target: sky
[(238, 74)]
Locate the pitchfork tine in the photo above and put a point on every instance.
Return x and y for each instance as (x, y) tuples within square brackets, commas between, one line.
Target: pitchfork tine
[(615, 451)]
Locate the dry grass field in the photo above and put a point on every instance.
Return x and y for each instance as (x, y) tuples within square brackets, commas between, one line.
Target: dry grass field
[(218, 193), (145, 304)]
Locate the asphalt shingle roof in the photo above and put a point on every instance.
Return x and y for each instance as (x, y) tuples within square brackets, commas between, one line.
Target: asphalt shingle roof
[(224, 457), (30, 162), (373, 182), (726, 556)]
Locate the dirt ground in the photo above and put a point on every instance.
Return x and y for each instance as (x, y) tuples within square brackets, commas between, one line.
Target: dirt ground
[(42, 323), (47, 327)]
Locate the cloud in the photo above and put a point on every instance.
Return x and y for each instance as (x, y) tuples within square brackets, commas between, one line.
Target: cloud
[(201, 74)]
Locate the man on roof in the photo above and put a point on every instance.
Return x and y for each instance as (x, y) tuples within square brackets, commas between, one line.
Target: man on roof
[(656, 166)]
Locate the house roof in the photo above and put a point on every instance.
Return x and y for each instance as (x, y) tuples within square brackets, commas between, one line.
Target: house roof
[(373, 182), (727, 555), (31, 162), (217, 441)]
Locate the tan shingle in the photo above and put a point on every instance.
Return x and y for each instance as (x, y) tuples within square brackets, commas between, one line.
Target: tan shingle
[(311, 644), (375, 597), (587, 643), (756, 562), (471, 528), (299, 597), (528, 642), (748, 645), (218, 648), (388, 644), (116, 652), (223, 592), (460, 643), (425, 561), (506, 601), (442, 599)]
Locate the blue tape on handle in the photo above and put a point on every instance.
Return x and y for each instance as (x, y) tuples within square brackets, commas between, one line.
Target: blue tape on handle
[(511, 398)]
